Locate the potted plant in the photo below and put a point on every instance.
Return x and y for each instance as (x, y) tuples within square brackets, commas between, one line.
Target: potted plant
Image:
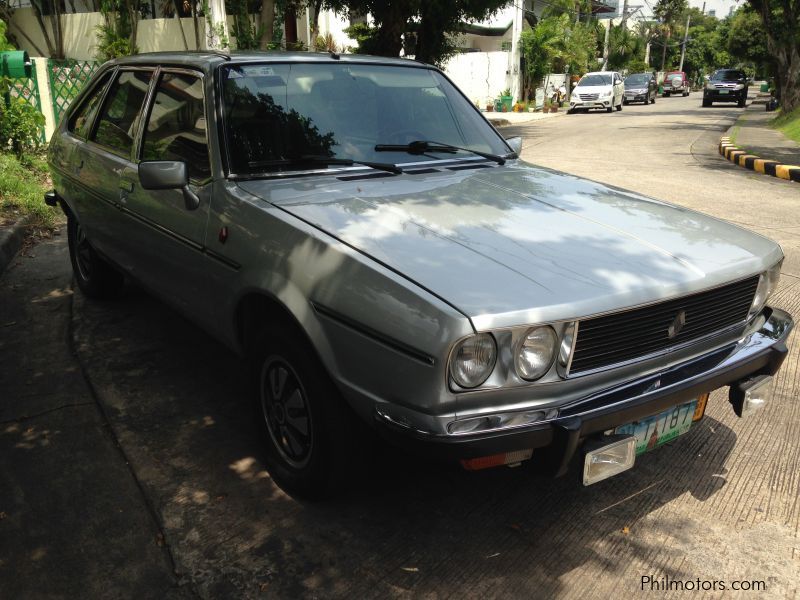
[(505, 100)]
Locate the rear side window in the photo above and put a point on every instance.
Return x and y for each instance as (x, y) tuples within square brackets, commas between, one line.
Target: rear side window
[(121, 112), (176, 127), (81, 120)]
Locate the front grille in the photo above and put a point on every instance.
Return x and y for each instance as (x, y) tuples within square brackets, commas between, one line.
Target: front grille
[(624, 336), (589, 96)]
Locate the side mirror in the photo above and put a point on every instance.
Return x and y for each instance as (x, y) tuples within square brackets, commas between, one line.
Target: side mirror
[(516, 144), (168, 175)]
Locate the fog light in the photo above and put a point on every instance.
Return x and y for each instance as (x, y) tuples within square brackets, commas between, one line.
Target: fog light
[(604, 460), (749, 396), (511, 459)]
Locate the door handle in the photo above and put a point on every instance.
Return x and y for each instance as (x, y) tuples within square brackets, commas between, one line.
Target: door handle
[(126, 186), (78, 167)]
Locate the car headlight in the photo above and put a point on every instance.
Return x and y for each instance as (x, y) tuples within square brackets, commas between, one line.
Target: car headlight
[(535, 352), (710, 86), (607, 94), (739, 86), (473, 360), (767, 283)]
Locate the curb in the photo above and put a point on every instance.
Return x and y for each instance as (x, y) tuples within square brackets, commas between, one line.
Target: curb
[(750, 161), (11, 241)]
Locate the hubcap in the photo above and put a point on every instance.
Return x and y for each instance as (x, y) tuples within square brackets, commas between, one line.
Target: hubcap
[(285, 411), (83, 253)]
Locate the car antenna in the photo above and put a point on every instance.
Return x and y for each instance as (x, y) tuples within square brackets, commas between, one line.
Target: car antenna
[(219, 53)]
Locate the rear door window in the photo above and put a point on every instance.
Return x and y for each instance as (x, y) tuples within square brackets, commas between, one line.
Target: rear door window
[(121, 113), (80, 121)]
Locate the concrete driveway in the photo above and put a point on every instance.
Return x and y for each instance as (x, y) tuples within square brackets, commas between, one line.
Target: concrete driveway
[(718, 505)]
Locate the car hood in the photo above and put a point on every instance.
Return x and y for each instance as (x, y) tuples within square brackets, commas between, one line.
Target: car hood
[(593, 89), (516, 244)]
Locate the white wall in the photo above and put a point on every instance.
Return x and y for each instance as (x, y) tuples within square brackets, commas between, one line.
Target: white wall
[(480, 75)]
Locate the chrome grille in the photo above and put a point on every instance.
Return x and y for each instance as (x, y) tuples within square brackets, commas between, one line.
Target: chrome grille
[(632, 334), (589, 96)]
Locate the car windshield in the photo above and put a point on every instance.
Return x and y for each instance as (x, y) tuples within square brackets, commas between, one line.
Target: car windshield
[(727, 76), (675, 76), (281, 117), (595, 80), (639, 79)]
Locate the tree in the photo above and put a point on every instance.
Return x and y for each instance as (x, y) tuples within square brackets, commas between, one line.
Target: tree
[(747, 41), (668, 11), (434, 20), (781, 20)]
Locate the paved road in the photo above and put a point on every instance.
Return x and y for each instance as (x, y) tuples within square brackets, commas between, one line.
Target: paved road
[(721, 503)]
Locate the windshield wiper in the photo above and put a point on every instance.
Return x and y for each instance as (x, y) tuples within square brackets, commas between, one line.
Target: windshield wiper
[(423, 146), (314, 160)]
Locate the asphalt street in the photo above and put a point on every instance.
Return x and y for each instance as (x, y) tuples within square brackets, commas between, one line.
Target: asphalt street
[(198, 513)]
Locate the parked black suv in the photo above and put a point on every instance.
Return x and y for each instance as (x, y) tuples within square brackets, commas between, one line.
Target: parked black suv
[(726, 85)]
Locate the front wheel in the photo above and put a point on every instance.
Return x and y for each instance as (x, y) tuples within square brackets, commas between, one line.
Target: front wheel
[(609, 109), (706, 103), (96, 278), (619, 106), (743, 102), (666, 95), (653, 99), (307, 428)]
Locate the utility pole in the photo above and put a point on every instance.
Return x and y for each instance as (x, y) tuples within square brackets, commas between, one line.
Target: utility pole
[(624, 15), (605, 44), (685, 39)]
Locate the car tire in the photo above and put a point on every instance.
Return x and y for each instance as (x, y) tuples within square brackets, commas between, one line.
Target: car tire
[(609, 109), (625, 102), (95, 276), (665, 95), (570, 111), (742, 102), (653, 99), (308, 431), (619, 106), (706, 103)]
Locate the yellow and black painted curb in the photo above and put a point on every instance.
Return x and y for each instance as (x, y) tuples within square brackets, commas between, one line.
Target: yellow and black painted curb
[(750, 161)]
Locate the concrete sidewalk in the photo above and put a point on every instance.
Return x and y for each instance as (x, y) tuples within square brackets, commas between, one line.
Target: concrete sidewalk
[(504, 119), (74, 522), (752, 133), (751, 143)]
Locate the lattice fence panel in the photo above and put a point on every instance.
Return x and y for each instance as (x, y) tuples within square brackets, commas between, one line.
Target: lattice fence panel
[(67, 78), (27, 88)]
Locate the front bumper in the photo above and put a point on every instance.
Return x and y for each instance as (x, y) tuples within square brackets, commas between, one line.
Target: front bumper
[(759, 353), (638, 97), (730, 96), (586, 104)]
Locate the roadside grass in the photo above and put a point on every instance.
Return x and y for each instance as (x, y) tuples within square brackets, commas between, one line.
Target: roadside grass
[(22, 187), (788, 124)]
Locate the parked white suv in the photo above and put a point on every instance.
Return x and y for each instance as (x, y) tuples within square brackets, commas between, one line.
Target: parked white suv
[(602, 89)]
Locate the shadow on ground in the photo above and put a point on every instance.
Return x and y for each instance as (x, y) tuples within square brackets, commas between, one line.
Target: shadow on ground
[(177, 401)]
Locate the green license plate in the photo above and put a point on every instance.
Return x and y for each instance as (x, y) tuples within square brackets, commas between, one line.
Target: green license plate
[(661, 428), (723, 91)]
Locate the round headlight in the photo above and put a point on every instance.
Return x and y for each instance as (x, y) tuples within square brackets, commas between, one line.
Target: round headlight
[(473, 360), (535, 352)]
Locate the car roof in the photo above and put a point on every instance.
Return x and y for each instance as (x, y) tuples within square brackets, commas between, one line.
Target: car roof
[(209, 59), (599, 73)]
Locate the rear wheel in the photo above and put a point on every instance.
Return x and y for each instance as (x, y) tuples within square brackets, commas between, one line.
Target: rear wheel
[(96, 278), (307, 429)]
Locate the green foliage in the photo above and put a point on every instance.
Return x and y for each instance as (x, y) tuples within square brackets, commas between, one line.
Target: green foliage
[(4, 43), (110, 44), (22, 188), (117, 36), (365, 37), (19, 126), (556, 44), (747, 40), (789, 124)]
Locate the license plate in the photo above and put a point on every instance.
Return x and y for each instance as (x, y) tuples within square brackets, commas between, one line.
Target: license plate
[(659, 429), (723, 91)]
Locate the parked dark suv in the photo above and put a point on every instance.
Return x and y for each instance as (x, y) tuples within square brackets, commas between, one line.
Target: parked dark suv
[(726, 85)]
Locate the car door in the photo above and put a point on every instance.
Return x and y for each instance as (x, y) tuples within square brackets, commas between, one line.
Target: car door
[(619, 89), (108, 152), (168, 237)]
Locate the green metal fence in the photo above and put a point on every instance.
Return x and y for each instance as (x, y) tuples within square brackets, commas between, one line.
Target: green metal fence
[(67, 78), (27, 88)]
